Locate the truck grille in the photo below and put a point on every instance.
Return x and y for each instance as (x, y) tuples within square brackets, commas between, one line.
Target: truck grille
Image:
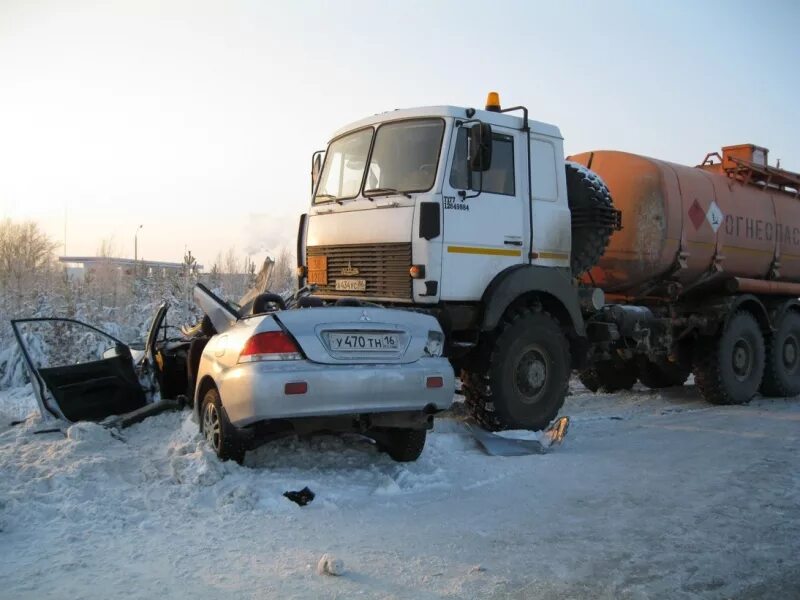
[(384, 267)]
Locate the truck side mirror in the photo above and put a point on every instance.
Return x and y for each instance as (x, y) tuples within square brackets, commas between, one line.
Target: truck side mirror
[(316, 168), (479, 147)]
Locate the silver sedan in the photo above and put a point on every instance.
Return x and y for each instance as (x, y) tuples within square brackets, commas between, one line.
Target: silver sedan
[(366, 369)]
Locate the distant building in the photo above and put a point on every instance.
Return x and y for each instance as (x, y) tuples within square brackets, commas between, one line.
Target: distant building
[(79, 266)]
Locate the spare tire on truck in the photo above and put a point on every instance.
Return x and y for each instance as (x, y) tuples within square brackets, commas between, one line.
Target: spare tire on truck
[(593, 215)]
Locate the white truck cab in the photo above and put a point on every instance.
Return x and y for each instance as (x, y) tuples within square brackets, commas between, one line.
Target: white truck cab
[(384, 176), (468, 214)]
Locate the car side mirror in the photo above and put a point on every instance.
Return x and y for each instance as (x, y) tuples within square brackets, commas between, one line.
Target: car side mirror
[(479, 147)]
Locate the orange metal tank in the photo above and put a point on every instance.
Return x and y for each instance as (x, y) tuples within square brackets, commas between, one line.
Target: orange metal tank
[(687, 224)]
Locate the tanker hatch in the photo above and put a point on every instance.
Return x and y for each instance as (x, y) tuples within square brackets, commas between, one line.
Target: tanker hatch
[(748, 164)]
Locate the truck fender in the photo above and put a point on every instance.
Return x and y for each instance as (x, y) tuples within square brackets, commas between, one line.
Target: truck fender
[(776, 311), (552, 285), (754, 306)]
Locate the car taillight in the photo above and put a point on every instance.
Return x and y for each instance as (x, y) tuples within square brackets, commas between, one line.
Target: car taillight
[(270, 345)]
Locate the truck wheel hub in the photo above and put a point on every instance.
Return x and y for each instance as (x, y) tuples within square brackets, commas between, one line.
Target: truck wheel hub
[(742, 359), (531, 373), (790, 353)]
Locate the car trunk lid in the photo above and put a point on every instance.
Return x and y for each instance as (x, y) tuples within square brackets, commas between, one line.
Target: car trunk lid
[(353, 335)]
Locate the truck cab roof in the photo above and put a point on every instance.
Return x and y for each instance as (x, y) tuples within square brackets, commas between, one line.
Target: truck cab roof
[(512, 120)]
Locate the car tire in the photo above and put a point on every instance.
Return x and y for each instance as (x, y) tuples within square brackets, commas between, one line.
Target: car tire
[(402, 445), (217, 430), (782, 369), (518, 380), (728, 367)]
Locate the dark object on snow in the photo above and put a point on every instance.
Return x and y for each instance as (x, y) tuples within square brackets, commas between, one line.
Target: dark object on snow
[(302, 497)]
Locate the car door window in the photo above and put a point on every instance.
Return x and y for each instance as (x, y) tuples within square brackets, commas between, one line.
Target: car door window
[(499, 179)]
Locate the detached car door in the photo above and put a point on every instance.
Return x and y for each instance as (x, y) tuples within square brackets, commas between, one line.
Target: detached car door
[(79, 373)]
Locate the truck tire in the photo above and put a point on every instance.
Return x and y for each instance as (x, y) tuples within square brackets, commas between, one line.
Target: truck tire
[(728, 367), (519, 378), (609, 376), (591, 213), (782, 369), (662, 374)]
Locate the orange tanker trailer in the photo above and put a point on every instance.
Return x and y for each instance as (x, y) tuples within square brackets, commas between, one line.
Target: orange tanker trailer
[(706, 270)]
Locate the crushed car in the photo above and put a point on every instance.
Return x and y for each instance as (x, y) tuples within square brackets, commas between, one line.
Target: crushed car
[(271, 367)]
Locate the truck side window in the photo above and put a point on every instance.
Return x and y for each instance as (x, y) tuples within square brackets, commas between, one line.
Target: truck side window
[(543, 164), (499, 179)]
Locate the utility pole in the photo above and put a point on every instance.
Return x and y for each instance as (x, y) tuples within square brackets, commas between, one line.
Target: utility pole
[(136, 244), (136, 250)]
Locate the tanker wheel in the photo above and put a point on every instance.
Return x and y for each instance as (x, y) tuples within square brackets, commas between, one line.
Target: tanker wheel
[(782, 371), (519, 377), (661, 374), (609, 376), (728, 367), (589, 202)]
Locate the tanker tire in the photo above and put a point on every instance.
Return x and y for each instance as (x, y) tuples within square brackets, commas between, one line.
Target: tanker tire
[(728, 367), (586, 190), (660, 375), (518, 378), (609, 376), (782, 370)]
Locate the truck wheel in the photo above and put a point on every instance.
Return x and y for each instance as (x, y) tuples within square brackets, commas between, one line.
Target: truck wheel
[(403, 445), (662, 374), (609, 376), (782, 369), (217, 430), (728, 367), (520, 378), (592, 217)]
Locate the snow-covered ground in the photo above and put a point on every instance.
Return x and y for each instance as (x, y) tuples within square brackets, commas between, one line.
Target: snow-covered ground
[(653, 495)]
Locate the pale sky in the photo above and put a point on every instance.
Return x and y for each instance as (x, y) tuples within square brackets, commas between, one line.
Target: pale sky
[(198, 119)]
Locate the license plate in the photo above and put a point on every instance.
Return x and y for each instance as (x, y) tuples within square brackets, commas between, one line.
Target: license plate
[(364, 342), (351, 285)]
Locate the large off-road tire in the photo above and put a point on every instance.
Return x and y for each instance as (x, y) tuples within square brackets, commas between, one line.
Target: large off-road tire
[(519, 377), (217, 430), (782, 369), (663, 374), (593, 216), (729, 366), (403, 445), (609, 376)]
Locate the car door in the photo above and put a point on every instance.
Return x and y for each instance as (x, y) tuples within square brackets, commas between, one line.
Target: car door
[(486, 233), (78, 372)]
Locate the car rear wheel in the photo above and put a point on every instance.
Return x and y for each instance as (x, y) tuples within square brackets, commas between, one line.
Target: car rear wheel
[(217, 430), (403, 445)]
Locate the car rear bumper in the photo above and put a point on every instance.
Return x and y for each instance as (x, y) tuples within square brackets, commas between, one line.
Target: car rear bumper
[(253, 392)]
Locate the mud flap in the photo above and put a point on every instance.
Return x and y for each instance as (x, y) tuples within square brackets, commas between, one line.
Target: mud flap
[(497, 445)]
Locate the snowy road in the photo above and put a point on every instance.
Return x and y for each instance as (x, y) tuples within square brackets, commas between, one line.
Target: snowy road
[(652, 496)]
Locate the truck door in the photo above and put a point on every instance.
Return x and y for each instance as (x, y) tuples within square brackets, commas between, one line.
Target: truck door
[(485, 234)]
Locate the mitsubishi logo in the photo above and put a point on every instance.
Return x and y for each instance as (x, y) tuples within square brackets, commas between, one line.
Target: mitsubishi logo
[(350, 270), (364, 316)]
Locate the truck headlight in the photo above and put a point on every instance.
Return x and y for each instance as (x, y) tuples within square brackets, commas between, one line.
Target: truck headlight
[(435, 344)]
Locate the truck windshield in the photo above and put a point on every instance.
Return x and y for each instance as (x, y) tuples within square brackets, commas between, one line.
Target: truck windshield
[(344, 166), (404, 159)]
